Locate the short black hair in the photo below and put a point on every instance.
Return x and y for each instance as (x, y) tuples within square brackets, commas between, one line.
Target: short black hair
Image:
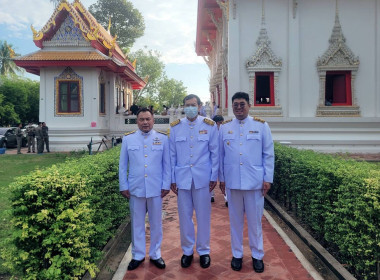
[(218, 118), (190, 96), (239, 95), (143, 109)]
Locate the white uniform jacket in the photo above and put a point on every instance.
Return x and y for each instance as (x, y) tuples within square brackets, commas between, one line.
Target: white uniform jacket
[(246, 154), (144, 166), (194, 152)]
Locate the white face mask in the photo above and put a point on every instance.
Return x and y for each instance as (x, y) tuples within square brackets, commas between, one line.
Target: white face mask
[(191, 112)]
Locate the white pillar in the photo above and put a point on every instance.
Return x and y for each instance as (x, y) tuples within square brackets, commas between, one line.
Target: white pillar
[(294, 100), (234, 71), (42, 113)]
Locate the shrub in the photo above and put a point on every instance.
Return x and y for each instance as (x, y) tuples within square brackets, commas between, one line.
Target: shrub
[(64, 215), (338, 199)]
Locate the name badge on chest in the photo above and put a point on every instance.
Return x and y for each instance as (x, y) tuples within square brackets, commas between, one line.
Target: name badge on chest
[(157, 141), (203, 131)]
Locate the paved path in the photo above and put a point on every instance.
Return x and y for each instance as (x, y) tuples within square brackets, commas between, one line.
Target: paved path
[(281, 262)]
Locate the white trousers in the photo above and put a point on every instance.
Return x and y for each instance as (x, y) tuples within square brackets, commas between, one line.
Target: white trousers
[(139, 206), (252, 204), (188, 200)]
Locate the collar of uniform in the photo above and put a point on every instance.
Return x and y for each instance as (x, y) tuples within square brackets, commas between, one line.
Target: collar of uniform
[(145, 133), (193, 122), (242, 121)]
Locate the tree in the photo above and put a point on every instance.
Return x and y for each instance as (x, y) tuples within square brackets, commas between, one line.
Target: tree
[(148, 64), (19, 102), (7, 113), (171, 92), (7, 66), (126, 21)]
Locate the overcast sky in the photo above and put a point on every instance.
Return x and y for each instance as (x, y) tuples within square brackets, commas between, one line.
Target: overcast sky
[(170, 28)]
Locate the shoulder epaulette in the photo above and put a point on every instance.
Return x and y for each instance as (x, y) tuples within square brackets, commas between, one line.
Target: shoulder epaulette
[(130, 132), (227, 121), (208, 121), (162, 132), (258, 119), (175, 123)]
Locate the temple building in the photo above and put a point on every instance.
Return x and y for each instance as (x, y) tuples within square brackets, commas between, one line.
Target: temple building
[(311, 68), (86, 80)]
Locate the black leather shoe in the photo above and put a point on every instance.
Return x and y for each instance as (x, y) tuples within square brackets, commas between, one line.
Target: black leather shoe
[(135, 264), (186, 261), (258, 265), (158, 263), (226, 203), (212, 199), (205, 261), (236, 263)]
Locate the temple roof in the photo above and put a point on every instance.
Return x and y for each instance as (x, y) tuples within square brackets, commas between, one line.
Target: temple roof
[(106, 52), (208, 12), (56, 55)]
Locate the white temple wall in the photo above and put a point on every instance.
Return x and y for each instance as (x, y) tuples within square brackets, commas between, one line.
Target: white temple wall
[(314, 20)]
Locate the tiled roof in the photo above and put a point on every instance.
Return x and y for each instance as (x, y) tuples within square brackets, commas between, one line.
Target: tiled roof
[(55, 55)]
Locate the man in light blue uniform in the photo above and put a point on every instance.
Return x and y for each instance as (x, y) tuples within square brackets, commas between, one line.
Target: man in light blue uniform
[(246, 173), (194, 159), (145, 177)]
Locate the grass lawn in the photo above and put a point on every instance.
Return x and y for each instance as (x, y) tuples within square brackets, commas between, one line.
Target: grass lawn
[(12, 166)]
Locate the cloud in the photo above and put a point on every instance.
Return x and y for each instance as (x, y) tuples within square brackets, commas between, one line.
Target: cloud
[(170, 29), (18, 15)]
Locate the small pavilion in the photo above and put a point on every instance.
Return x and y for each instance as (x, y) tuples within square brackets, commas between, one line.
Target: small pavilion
[(86, 81)]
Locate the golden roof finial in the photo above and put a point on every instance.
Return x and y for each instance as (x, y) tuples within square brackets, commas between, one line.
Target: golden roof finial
[(11, 52), (134, 63), (33, 30)]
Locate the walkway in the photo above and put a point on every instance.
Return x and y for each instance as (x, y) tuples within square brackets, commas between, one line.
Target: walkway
[(280, 261)]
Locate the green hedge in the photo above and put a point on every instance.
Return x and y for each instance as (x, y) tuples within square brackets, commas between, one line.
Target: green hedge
[(338, 199), (64, 215)]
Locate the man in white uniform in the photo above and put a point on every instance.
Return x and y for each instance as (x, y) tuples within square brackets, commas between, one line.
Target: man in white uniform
[(246, 174), (144, 176), (194, 158)]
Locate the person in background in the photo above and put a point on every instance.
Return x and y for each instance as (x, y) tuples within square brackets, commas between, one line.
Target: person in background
[(246, 173), (218, 119), (215, 109), (31, 133), (144, 179), (195, 162), (202, 111), (40, 138), (19, 138), (45, 137), (134, 108)]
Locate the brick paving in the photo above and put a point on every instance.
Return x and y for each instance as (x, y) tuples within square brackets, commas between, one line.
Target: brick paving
[(280, 261)]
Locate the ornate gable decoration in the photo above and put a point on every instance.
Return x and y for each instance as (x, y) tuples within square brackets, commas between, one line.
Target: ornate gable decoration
[(338, 56), (264, 58), (67, 35)]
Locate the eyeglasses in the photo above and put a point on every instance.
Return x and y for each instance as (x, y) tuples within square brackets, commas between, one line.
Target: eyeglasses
[(237, 105)]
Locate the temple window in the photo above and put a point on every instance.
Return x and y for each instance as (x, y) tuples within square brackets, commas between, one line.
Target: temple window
[(69, 97), (338, 88), (68, 94), (102, 99), (264, 89)]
